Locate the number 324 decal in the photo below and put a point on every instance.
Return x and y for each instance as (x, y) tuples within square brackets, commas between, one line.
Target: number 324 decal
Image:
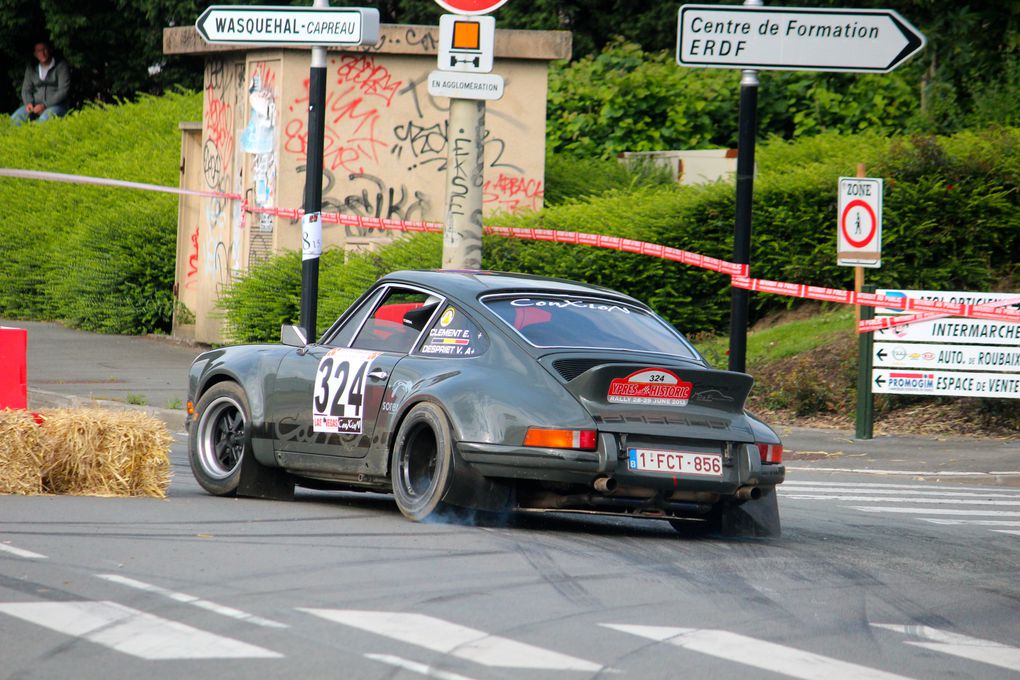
[(340, 391)]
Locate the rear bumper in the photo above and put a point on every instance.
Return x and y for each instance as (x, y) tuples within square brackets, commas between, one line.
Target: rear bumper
[(742, 467)]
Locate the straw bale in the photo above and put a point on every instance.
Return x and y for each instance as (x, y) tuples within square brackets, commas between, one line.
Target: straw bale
[(20, 454), (100, 452)]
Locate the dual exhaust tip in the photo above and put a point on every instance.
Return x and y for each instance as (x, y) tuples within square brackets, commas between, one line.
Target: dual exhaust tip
[(607, 484)]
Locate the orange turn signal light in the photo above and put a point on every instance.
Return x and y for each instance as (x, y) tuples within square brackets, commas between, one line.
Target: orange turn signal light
[(191, 409), (586, 440)]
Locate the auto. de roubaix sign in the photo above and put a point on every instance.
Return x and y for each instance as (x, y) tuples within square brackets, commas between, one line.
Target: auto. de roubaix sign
[(471, 6)]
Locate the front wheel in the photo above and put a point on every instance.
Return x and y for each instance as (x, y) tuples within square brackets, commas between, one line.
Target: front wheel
[(422, 462), (220, 438)]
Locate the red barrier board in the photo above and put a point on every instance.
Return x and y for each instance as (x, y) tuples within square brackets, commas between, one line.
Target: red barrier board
[(13, 368)]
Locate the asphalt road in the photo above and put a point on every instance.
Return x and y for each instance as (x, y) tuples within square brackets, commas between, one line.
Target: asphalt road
[(875, 576)]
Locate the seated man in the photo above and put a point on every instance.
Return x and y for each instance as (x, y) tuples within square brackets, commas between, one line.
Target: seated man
[(44, 90)]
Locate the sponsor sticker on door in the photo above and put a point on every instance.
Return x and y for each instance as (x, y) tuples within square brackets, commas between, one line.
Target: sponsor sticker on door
[(650, 386)]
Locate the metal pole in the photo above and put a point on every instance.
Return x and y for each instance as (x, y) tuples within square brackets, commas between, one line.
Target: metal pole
[(312, 225), (465, 169), (740, 298), (865, 362)]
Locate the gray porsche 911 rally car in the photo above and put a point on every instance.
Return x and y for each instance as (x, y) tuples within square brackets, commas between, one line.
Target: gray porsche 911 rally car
[(492, 392)]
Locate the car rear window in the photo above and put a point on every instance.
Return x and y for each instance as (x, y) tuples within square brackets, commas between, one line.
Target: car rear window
[(591, 323)]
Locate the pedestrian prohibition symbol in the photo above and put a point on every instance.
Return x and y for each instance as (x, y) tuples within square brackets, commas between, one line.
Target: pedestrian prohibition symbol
[(859, 232)]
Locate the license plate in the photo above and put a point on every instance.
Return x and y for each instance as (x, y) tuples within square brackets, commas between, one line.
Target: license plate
[(676, 462)]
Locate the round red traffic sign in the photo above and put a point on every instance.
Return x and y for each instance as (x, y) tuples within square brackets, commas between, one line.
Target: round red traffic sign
[(858, 239), (471, 6)]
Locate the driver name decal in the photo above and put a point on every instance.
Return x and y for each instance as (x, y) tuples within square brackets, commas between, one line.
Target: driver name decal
[(339, 395), (650, 386)]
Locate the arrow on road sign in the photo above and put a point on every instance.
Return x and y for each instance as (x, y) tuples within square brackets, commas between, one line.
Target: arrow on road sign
[(795, 38), (879, 381), (881, 354), (238, 24)]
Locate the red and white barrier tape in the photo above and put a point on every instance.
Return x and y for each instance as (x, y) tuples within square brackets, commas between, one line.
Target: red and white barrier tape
[(739, 272), (869, 325)]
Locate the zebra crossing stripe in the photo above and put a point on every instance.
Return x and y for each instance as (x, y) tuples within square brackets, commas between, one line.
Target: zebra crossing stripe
[(904, 499), (871, 491), (185, 598), (879, 485), (937, 511), (20, 552), (416, 667), (133, 632), (972, 522), (749, 651), (460, 641), (964, 646)]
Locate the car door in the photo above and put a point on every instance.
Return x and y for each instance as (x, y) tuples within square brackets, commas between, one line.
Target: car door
[(327, 396)]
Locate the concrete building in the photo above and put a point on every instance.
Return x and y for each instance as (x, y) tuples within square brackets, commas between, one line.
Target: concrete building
[(384, 150)]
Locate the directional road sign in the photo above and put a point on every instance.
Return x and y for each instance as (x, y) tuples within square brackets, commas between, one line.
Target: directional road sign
[(859, 222), (288, 25), (795, 39), (471, 6), (950, 357), (946, 384)]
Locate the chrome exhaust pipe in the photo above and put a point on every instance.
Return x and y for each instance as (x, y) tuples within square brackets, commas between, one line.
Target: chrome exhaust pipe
[(605, 484), (748, 493)]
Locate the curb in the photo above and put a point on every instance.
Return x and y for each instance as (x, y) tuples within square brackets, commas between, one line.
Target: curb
[(39, 400)]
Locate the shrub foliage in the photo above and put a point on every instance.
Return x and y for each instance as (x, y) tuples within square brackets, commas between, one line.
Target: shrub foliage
[(100, 258)]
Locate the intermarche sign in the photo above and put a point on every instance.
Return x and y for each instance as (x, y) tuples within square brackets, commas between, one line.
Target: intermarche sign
[(948, 356), (238, 24), (795, 39)]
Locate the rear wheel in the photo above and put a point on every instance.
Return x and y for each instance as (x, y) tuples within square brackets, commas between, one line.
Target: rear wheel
[(220, 438), (422, 462)]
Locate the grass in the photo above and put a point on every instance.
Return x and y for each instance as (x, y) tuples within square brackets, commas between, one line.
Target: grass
[(775, 339)]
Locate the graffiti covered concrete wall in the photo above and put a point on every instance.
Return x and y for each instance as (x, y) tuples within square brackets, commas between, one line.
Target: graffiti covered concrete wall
[(385, 146)]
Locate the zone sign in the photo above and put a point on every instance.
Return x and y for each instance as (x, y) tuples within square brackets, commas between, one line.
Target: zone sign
[(471, 6), (859, 222)]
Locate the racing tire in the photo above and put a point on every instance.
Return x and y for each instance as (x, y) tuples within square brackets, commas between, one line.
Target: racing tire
[(422, 466), (220, 438)]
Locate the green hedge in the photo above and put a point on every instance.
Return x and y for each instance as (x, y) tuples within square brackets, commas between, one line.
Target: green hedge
[(624, 99), (951, 220), (99, 258)]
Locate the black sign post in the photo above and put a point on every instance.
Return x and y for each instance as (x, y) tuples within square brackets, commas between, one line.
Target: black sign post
[(740, 298)]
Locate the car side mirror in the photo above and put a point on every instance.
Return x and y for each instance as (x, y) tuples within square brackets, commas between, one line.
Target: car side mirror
[(293, 336)]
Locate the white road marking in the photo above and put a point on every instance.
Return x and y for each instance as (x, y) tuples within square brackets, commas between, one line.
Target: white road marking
[(451, 638), (192, 600), (903, 499), (938, 511), (18, 552), (416, 667), (880, 485), (750, 651), (976, 522), (1006, 531), (908, 473), (974, 649), (872, 491), (133, 632)]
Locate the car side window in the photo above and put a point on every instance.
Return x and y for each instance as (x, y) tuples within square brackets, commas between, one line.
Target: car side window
[(453, 334), (397, 321), (343, 337)]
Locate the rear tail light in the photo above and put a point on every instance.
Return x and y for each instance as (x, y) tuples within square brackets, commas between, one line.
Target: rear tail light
[(771, 453), (586, 440)]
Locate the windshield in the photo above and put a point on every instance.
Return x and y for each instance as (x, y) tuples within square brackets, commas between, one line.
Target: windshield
[(591, 323)]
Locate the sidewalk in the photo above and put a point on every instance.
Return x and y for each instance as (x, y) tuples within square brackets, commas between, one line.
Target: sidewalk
[(69, 367)]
